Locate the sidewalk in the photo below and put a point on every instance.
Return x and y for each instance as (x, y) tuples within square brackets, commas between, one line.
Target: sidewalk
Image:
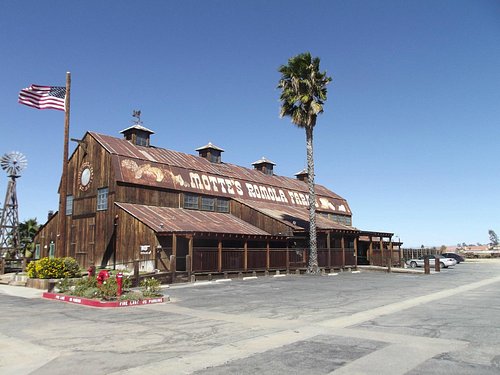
[(417, 271), (21, 291)]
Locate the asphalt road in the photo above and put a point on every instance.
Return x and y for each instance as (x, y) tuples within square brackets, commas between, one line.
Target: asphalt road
[(351, 323)]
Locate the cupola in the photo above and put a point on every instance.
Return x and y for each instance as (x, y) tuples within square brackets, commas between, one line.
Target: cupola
[(302, 175), (137, 134), (211, 152), (264, 165)]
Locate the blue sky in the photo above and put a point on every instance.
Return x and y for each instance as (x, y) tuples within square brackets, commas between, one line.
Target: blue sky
[(411, 129)]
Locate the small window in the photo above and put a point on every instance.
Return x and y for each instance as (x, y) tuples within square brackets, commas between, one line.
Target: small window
[(37, 251), (214, 158), (222, 205), (341, 219), (102, 199), (69, 205), (52, 249), (141, 140), (191, 201), (207, 204)]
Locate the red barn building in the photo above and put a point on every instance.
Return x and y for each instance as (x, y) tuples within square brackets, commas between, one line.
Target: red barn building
[(128, 200)]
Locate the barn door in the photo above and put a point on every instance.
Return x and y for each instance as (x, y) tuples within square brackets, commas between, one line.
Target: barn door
[(83, 241)]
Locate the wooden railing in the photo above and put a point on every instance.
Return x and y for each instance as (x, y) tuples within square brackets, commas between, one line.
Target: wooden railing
[(206, 259)]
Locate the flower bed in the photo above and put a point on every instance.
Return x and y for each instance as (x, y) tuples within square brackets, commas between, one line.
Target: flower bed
[(99, 303), (106, 290)]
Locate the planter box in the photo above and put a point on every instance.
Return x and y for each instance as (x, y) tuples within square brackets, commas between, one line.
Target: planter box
[(97, 303), (47, 284), (40, 283)]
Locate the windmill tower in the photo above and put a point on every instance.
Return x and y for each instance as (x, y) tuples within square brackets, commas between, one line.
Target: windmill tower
[(13, 163)]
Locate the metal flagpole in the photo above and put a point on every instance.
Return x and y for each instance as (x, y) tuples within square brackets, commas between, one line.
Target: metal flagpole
[(62, 249)]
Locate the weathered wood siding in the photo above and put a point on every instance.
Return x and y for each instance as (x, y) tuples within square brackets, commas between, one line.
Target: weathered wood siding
[(86, 222), (147, 195), (131, 235), (46, 235), (259, 220)]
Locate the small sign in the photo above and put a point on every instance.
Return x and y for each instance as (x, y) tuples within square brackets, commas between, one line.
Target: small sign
[(145, 249)]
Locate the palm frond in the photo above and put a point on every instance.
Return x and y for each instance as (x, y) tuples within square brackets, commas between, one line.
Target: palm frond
[(303, 89)]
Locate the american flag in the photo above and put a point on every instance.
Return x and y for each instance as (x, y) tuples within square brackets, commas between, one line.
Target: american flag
[(43, 97)]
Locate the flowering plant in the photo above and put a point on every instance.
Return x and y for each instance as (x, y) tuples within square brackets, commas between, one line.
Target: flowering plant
[(53, 268)]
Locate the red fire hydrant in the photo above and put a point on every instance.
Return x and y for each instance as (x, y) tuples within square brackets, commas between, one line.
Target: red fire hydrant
[(119, 283), (103, 276)]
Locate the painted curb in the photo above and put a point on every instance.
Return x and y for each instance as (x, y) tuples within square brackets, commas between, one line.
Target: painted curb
[(96, 303)]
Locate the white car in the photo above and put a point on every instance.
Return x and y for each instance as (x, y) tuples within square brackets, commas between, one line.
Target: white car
[(443, 262)]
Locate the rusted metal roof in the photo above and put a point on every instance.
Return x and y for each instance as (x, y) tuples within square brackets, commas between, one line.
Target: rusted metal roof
[(179, 220), (163, 161), (297, 217)]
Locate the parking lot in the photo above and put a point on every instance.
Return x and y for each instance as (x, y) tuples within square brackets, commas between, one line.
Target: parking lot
[(352, 323)]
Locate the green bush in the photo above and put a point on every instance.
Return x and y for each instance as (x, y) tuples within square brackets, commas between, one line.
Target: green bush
[(53, 268), (92, 292), (150, 287), (109, 288), (71, 267), (65, 285), (83, 284), (131, 296), (31, 270)]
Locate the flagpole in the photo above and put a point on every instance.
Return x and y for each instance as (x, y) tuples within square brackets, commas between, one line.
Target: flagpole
[(62, 249)]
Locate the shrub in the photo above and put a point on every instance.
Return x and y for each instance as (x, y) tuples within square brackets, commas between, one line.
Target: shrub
[(109, 288), (31, 270), (92, 292), (65, 285), (71, 267), (131, 296), (150, 287), (53, 268), (50, 268), (83, 284)]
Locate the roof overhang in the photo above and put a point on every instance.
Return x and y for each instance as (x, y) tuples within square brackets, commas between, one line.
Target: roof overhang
[(167, 221)]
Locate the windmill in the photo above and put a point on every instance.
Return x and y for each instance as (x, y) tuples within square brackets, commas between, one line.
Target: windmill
[(13, 163)]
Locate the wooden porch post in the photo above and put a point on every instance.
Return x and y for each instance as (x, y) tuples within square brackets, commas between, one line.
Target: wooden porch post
[(268, 255), (381, 244), (328, 239), (356, 251), (389, 266), (400, 253), (371, 250), (342, 243), (219, 257), (174, 245), (173, 262), (245, 255), (287, 257), (190, 252)]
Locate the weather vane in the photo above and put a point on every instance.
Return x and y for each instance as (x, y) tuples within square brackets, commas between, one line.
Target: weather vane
[(137, 115)]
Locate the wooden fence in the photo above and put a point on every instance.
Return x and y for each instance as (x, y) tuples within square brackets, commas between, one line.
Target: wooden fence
[(206, 259), (418, 252)]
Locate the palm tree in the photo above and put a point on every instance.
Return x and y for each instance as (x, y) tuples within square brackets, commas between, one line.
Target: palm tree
[(303, 93), (27, 231)]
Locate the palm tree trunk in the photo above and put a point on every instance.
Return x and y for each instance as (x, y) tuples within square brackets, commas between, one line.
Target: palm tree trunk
[(313, 250)]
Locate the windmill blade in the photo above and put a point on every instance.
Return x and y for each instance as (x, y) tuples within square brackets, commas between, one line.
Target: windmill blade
[(13, 163)]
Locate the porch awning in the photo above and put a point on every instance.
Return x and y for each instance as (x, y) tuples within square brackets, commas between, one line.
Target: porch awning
[(296, 217), (165, 220)]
